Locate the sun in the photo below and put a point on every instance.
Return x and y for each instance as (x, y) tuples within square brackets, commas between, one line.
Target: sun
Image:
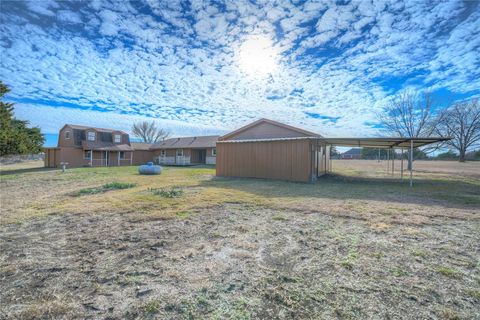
[(257, 56)]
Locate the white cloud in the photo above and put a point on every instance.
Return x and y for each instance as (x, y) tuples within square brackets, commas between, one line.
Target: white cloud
[(180, 63), (44, 7), (68, 16)]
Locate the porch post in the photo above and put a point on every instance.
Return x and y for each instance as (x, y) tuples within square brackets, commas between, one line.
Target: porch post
[(131, 157), (91, 158), (118, 158), (411, 162)]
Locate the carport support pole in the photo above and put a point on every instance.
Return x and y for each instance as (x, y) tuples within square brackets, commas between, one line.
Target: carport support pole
[(388, 160), (411, 162), (401, 167), (393, 162)]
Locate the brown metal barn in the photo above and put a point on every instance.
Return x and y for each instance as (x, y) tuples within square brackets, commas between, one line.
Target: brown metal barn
[(272, 150)]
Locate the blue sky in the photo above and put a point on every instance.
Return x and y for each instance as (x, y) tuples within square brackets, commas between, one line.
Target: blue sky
[(206, 68)]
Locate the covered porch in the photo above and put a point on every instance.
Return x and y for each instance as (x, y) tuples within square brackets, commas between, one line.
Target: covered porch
[(104, 155)]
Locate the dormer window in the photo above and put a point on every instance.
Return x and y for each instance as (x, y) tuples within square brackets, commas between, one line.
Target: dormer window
[(67, 135), (117, 138), (91, 136)]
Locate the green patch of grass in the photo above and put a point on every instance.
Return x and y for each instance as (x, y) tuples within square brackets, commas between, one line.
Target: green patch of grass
[(449, 272), (183, 214), (152, 307), (449, 314), (473, 293), (279, 218), (130, 280), (348, 262), (106, 187), (377, 255), (419, 253), (172, 192), (399, 272)]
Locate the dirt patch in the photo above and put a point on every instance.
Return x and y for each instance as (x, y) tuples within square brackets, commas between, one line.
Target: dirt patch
[(238, 261)]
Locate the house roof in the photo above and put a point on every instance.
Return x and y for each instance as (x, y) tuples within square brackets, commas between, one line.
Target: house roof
[(140, 145), (105, 146), (187, 142), (275, 123), (80, 127), (353, 151)]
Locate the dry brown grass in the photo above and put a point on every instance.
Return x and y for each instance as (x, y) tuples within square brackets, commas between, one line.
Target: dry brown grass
[(346, 247)]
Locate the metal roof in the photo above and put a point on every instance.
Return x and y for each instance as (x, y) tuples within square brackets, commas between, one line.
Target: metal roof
[(187, 142), (80, 127), (141, 146), (381, 142), (105, 146), (272, 122)]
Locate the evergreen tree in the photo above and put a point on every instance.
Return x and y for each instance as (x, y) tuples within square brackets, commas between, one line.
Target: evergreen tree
[(15, 135)]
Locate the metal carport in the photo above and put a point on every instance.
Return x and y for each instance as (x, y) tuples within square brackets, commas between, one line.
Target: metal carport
[(391, 143)]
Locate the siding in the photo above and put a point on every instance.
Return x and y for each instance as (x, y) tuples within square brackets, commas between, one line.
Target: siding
[(282, 160), (142, 156)]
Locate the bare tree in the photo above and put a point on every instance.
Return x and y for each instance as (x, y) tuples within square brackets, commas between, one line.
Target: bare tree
[(409, 114), (461, 122), (149, 132)]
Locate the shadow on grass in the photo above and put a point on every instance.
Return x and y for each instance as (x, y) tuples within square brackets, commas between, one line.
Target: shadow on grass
[(5, 172), (444, 192)]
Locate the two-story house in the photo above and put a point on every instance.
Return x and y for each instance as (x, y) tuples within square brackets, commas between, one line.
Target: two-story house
[(81, 146)]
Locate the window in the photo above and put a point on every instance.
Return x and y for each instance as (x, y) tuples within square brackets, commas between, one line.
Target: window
[(67, 135), (118, 138), (91, 136), (179, 152), (122, 155), (214, 152), (87, 154), (163, 153)]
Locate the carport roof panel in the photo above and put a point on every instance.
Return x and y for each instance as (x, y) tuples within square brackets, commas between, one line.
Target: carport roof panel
[(382, 142), (387, 142)]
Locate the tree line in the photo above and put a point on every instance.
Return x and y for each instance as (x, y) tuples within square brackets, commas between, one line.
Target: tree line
[(418, 114), (16, 137)]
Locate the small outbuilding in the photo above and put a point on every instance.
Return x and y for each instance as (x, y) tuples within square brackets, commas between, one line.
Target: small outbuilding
[(272, 150)]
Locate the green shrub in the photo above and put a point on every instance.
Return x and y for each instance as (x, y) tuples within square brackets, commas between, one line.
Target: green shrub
[(104, 188), (173, 192), (118, 185)]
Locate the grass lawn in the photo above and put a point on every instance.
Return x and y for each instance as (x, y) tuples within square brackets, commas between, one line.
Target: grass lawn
[(97, 242)]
